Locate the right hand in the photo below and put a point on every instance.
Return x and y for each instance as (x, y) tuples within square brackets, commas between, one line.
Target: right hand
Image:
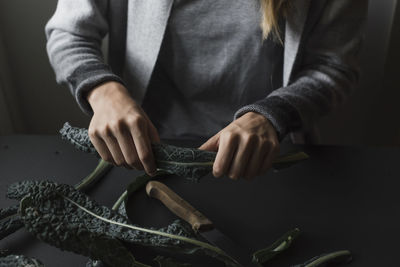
[(120, 130)]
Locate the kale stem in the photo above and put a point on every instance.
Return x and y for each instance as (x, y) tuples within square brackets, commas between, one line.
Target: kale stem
[(139, 264), (280, 245), (138, 182), (291, 157), (345, 255), (120, 200), (188, 164), (102, 168)]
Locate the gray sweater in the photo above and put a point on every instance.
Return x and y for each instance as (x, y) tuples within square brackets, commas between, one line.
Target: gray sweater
[(322, 41), (211, 63)]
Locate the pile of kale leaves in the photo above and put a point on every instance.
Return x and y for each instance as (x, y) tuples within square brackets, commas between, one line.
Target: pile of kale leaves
[(65, 217)]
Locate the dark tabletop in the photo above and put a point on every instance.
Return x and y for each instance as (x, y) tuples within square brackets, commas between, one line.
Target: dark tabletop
[(341, 198)]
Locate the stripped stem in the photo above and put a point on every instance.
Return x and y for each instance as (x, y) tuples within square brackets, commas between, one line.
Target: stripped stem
[(102, 168)]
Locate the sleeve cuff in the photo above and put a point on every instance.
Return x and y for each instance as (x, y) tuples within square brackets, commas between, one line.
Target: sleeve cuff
[(85, 79), (281, 114)]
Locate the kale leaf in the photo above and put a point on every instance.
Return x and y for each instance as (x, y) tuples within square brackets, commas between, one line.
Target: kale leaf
[(9, 221), (190, 163), (19, 261), (68, 219)]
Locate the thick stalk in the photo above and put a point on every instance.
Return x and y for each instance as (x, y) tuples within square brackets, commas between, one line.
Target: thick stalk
[(102, 168)]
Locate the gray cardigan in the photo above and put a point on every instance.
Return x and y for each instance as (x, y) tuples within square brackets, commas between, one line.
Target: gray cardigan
[(322, 44)]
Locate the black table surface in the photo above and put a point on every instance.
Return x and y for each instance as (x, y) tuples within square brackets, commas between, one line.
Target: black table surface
[(341, 198)]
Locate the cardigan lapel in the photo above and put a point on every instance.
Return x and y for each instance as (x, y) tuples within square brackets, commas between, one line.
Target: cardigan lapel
[(148, 21), (293, 34)]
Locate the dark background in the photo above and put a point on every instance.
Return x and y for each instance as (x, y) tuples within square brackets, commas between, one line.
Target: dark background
[(31, 102)]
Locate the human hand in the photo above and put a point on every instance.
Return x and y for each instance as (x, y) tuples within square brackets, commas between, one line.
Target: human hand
[(120, 130), (246, 147)]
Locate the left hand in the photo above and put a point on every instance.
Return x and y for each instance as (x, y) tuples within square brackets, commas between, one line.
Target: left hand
[(246, 147)]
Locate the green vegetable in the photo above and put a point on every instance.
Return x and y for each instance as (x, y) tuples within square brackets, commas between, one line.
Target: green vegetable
[(190, 163), (66, 218), (99, 172), (19, 261), (52, 219), (282, 244), (338, 257), (137, 184), (78, 137), (9, 218), (9, 221), (186, 162)]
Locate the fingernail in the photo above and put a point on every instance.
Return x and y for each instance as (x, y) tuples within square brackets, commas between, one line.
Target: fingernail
[(233, 177)]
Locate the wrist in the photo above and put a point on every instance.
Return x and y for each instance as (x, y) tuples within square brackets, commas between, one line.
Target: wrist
[(280, 113), (105, 92), (256, 118)]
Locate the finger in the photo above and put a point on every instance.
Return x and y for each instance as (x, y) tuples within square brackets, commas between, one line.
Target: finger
[(143, 147), (241, 158), (211, 144), (114, 149), (226, 149), (268, 159), (128, 149), (102, 149), (255, 162)]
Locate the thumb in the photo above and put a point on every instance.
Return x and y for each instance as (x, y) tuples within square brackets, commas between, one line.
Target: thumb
[(211, 144)]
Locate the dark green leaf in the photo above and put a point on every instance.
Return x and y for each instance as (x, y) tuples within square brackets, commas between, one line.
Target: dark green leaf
[(19, 261), (19, 190), (190, 163), (78, 137), (9, 221), (52, 219), (69, 220)]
